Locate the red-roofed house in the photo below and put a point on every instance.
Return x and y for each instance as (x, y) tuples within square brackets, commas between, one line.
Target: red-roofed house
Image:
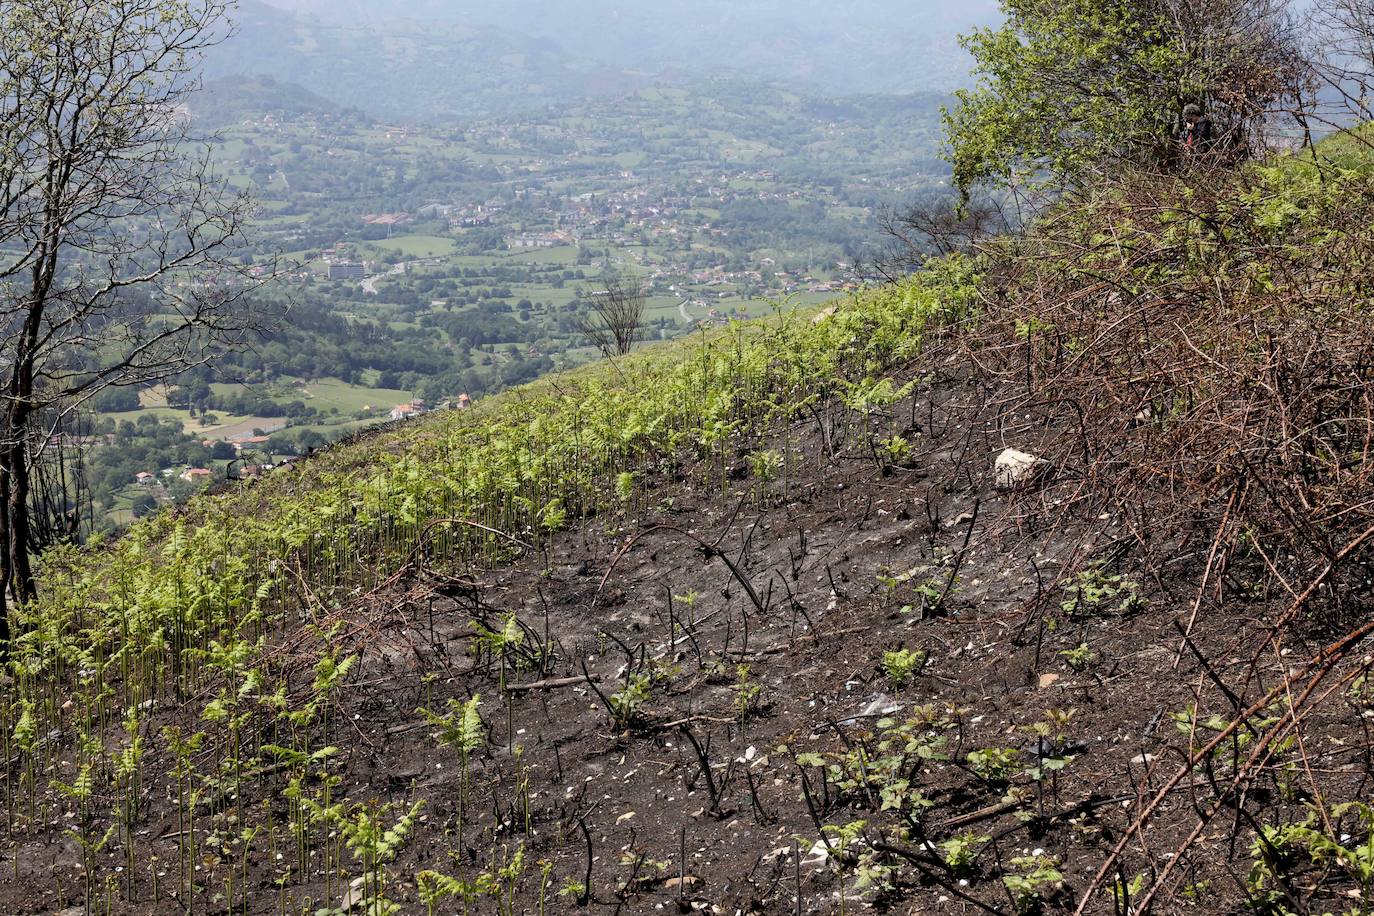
[(251, 442)]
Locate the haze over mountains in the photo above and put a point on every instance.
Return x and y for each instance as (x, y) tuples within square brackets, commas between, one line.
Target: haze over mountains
[(437, 60)]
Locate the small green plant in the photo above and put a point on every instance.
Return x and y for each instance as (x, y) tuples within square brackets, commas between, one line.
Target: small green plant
[(879, 771), (894, 450), (872, 395), (554, 515), (434, 888), (1123, 892), (627, 703), (689, 601), (1052, 754), (1026, 328), (960, 852), (748, 694), (499, 881), (1362, 690), (901, 665), (840, 839), (1094, 591), (461, 728), (373, 845), (928, 594), (502, 644), (1189, 722), (1280, 851), (503, 880), (1080, 657), (994, 764), (1037, 879), (1195, 891), (545, 874), (765, 465)]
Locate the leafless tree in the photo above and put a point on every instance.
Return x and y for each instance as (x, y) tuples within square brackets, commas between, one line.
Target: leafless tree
[(615, 313), (936, 227), (1343, 61), (1253, 56), (119, 245)]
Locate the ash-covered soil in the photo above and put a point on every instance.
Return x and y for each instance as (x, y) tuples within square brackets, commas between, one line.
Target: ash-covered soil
[(852, 682)]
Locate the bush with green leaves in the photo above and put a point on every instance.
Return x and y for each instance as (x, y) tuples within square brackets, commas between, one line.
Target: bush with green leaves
[(1068, 92), (1286, 856), (880, 770)]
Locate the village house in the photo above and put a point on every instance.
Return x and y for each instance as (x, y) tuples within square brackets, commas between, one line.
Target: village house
[(347, 270), (531, 241), (251, 442), (197, 475)]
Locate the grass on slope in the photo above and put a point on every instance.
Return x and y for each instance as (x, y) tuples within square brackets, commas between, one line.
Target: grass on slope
[(204, 616), (192, 607)]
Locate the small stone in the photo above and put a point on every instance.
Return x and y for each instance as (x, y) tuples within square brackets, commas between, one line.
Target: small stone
[(1015, 468), (959, 519), (354, 897), (1048, 680)]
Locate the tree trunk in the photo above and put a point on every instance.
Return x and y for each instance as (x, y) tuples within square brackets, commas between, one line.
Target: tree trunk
[(4, 565), (17, 585), (22, 583)]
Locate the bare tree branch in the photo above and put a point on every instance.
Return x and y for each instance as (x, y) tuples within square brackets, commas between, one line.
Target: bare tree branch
[(119, 245), (616, 314)]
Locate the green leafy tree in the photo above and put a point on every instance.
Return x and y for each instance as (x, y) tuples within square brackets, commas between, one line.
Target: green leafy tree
[(1070, 89)]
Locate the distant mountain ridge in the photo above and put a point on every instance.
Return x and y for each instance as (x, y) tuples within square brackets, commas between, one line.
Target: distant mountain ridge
[(438, 60), (232, 98), (409, 69)]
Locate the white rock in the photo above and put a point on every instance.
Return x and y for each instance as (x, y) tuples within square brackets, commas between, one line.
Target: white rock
[(1015, 468)]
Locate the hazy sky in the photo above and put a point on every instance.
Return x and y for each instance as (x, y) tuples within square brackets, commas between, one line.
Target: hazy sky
[(823, 37), (931, 13)]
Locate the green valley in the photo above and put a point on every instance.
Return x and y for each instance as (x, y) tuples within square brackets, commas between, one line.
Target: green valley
[(421, 264)]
